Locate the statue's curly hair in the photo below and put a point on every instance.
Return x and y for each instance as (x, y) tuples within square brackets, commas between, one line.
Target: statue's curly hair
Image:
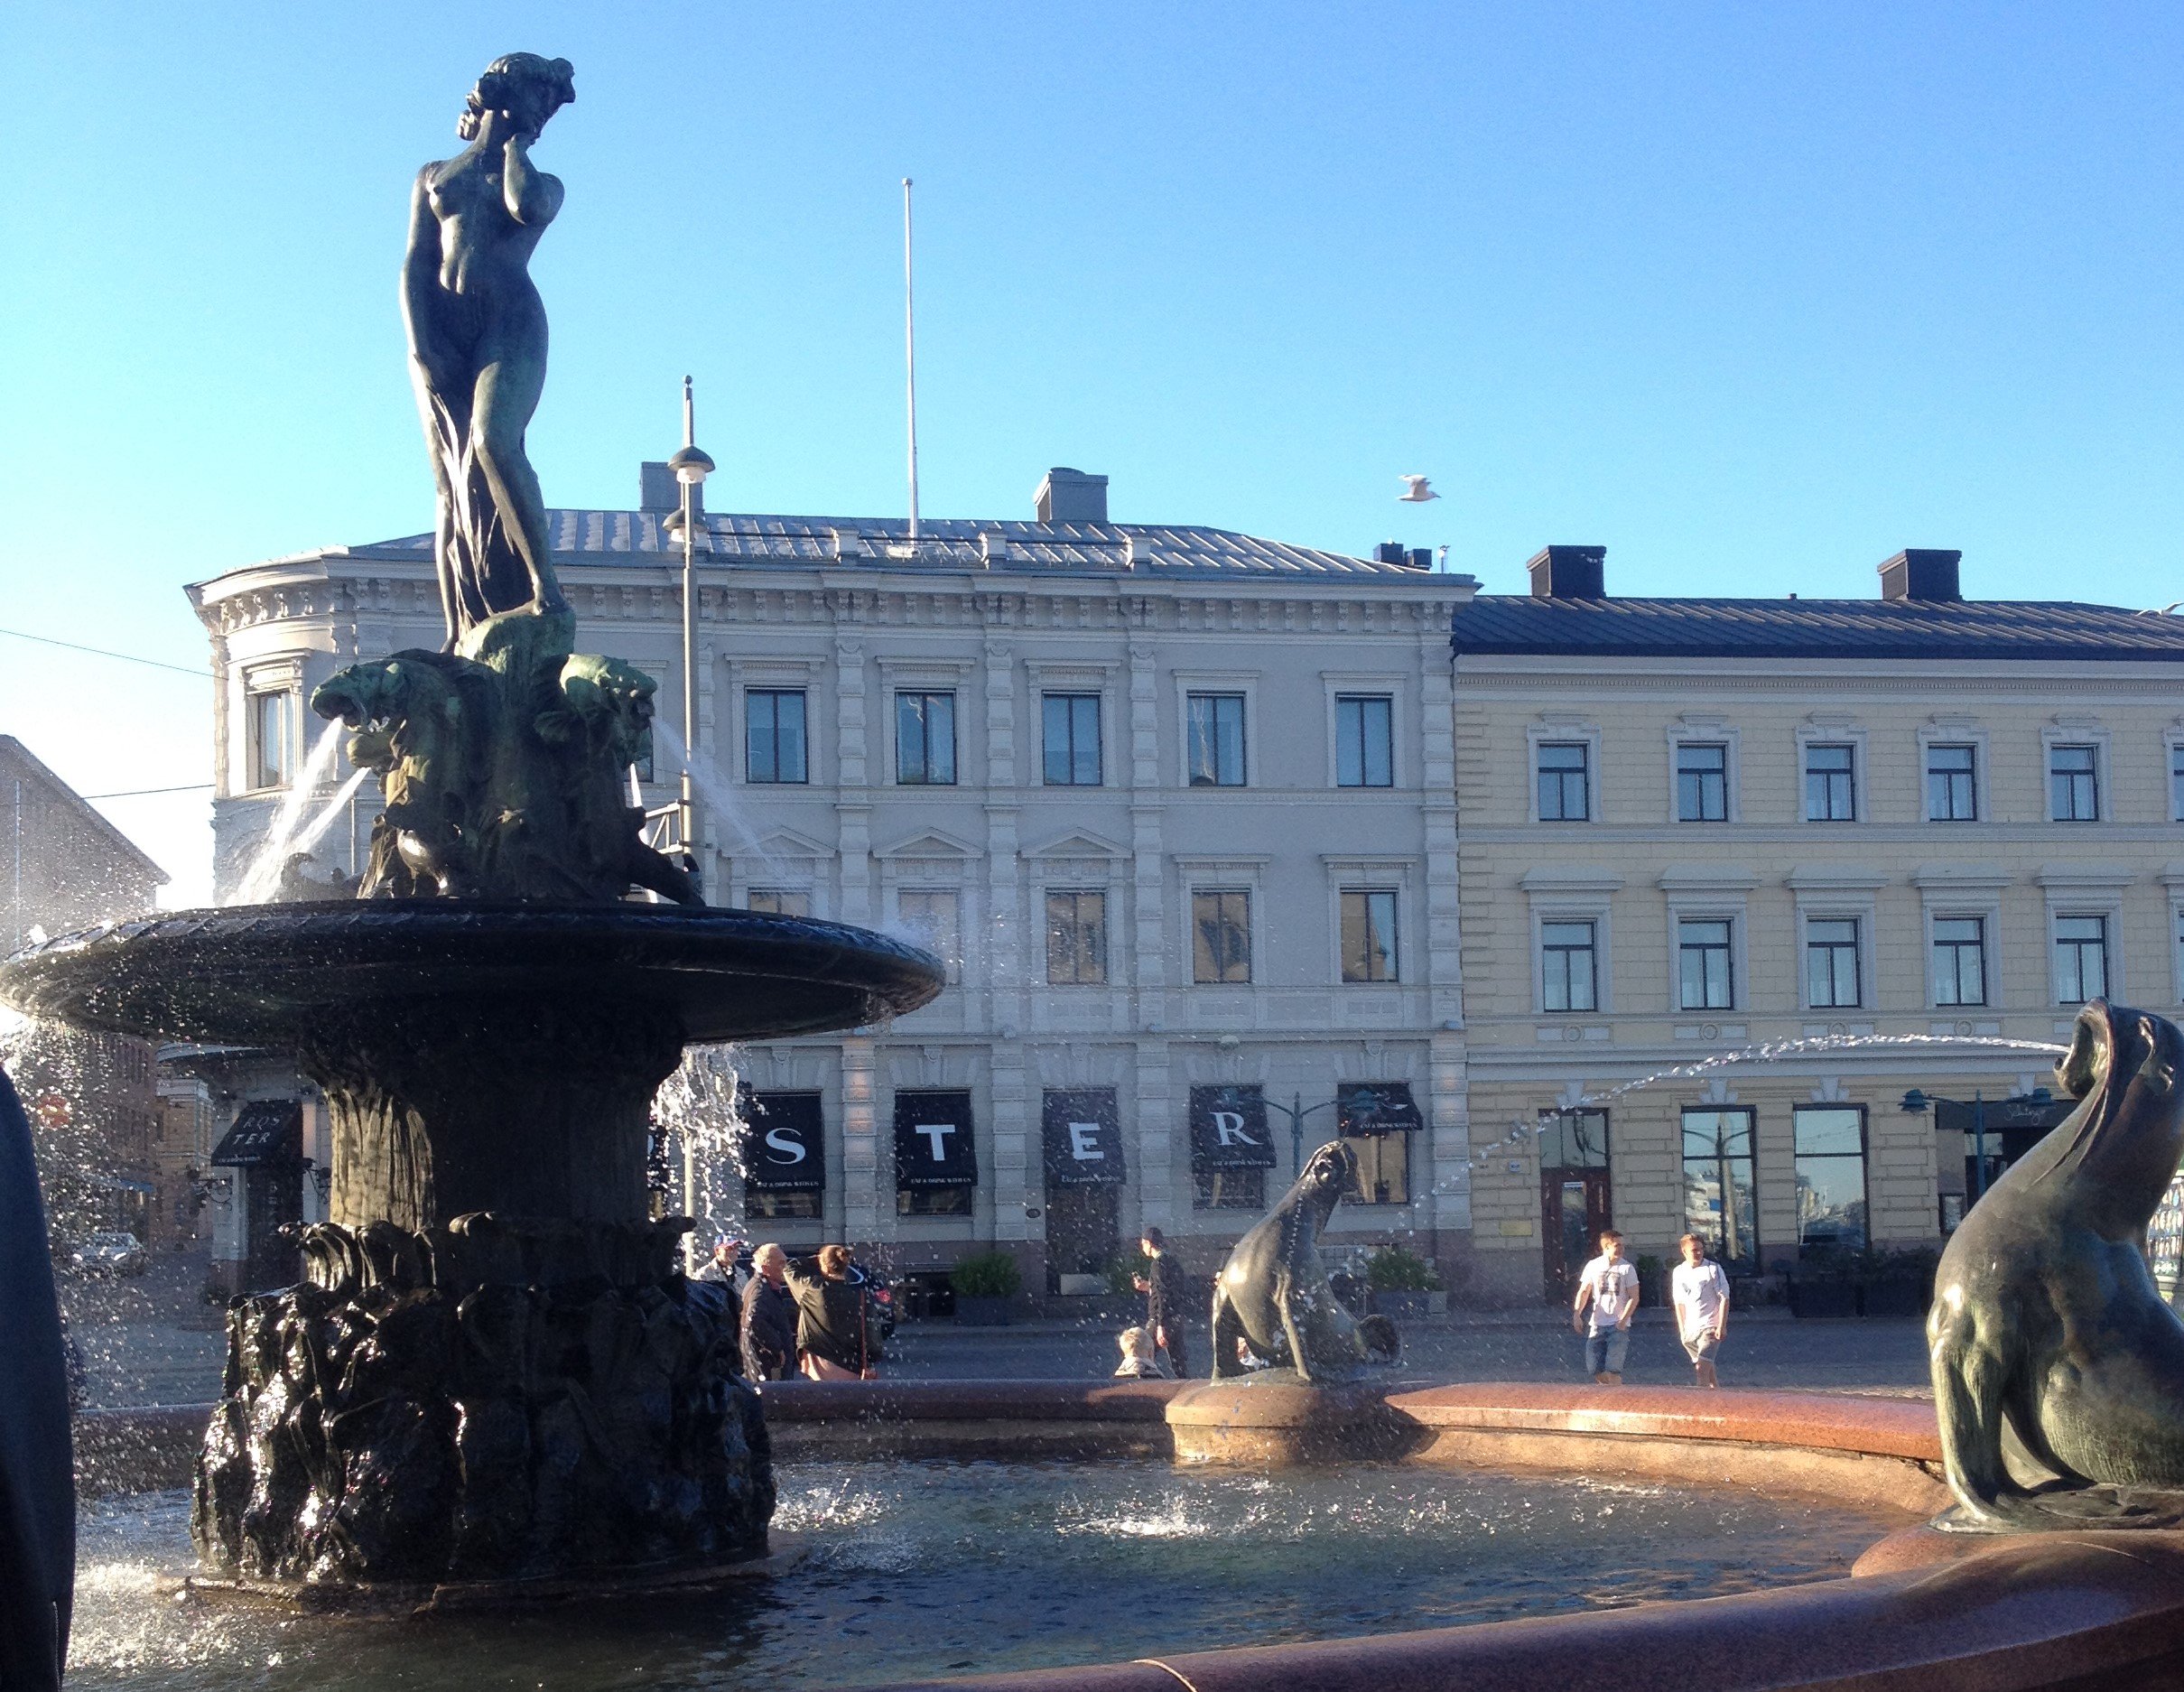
[(550, 81)]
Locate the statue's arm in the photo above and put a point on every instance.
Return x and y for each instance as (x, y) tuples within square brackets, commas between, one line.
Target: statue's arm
[(533, 197), (420, 275)]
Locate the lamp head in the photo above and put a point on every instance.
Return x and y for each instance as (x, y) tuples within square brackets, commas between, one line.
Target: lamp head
[(1916, 1102), (691, 466)]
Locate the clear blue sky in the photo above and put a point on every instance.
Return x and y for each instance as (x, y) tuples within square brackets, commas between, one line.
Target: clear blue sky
[(1753, 294)]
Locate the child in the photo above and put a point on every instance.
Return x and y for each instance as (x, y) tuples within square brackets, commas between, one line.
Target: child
[(1700, 1292), (1140, 1360), (1609, 1286)]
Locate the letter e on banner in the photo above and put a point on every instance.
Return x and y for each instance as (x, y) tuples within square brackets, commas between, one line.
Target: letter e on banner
[(1085, 1142)]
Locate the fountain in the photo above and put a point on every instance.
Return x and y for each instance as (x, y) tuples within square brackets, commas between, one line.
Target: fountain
[(496, 1371)]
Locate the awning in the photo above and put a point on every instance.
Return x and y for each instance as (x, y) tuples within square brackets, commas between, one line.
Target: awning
[(784, 1147), (268, 1134), (1083, 1133), (2020, 1114), (122, 1184), (932, 1145), (1229, 1128), (1376, 1107)]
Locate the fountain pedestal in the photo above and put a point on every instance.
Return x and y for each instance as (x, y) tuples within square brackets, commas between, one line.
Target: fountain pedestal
[(1276, 1417)]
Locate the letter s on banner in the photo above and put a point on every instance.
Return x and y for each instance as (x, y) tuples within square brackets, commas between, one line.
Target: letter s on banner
[(788, 1145)]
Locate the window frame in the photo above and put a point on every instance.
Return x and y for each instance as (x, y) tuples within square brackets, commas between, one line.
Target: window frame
[(1047, 896), (2090, 795), (1370, 1150), (901, 691), (1073, 698), (1684, 748), (1561, 729), (1591, 949), (1393, 950), (280, 695), (1222, 890), (1835, 948), (1362, 699), (1951, 738), (1717, 1247), (1217, 697), (1731, 924), (1583, 772), (2104, 939), (1848, 774), (776, 896), (751, 692), (950, 955), (1862, 1157), (1934, 942)]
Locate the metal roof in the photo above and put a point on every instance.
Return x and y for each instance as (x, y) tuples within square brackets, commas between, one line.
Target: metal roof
[(1516, 624), (608, 537), (13, 751)]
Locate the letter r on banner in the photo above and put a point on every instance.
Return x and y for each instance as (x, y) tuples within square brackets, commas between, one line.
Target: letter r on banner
[(1229, 1125)]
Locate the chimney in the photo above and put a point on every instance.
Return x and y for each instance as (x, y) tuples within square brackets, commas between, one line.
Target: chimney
[(1922, 573), (658, 491), (1568, 572), (1068, 496), (1394, 552)]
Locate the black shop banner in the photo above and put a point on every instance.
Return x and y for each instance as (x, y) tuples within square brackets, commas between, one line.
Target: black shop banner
[(785, 1148), (1228, 1127), (932, 1146), (1376, 1107), (1083, 1131)]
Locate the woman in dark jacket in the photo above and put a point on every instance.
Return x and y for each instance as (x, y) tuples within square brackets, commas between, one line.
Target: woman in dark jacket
[(833, 1339), (769, 1318)]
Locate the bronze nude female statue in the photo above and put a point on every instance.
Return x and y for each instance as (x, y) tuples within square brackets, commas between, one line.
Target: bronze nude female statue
[(478, 342)]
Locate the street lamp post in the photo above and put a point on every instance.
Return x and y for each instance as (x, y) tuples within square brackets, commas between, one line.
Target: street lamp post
[(691, 467), (1296, 1113)]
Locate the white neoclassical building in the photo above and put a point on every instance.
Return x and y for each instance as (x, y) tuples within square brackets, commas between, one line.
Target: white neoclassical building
[(1177, 804)]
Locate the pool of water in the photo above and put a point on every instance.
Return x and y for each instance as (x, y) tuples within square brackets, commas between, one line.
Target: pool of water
[(944, 1568)]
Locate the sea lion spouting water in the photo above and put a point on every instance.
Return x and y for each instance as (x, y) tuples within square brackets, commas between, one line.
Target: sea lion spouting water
[(2047, 1337)]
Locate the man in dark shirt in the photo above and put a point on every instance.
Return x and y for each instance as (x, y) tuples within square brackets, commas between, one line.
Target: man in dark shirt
[(1162, 1286), (769, 1318)]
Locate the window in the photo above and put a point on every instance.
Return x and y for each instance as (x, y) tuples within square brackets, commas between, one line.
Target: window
[(933, 1201), (1215, 735), (1702, 782), (933, 916), (2081, 959), (1703, 978), (1718, 1201), (1228, 1189), (1960, 960), (1568, 967), (1951, 787), (1369, 934), (1384, 1168), (924, 739), (1221, 937), (772, 734), (781, 1206), (1077, 939), (1831, 1175), (1364, 741), (269, 747), (1831, 962), (1830, 785), (1072, 740), (1573, 1139), (780, 901), (2176, 782), (1564, 796), (2073, 792)]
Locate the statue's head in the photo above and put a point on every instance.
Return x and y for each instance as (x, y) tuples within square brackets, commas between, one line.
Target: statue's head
[(1331, 1171), (529, 88)]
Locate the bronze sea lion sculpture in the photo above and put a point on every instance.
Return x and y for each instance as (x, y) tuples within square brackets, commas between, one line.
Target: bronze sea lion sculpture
[(2059, 1370), (1273, 1292)]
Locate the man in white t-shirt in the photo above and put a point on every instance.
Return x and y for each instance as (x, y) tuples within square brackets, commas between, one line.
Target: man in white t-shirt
[(1700, 1292), (1609, 1287)]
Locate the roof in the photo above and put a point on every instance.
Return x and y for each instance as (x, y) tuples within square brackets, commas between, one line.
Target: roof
[(638, 537), (12, 749), (1514, 624)]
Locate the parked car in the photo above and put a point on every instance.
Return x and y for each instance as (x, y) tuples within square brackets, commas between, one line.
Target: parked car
[(114, 1252)]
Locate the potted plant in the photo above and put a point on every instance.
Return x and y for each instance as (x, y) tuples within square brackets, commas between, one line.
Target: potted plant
[(984, 1284), (1825, 1283), (1896, 1283), (1652, 1279), (1402, 1283)]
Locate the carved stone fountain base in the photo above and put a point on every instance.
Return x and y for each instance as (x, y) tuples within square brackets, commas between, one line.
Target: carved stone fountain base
[(392, 1429), (1276, 1417)]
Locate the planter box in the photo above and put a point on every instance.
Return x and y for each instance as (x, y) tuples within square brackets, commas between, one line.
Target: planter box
[(1083, 1286), (1892, 1298), (1409, 1307), (980, 1312), (1822, 1298)]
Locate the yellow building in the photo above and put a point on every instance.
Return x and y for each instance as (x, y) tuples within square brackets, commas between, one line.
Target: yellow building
[(1690, 828)]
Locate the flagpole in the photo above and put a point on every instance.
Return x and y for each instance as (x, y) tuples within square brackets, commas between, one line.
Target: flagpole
[(910, 354)]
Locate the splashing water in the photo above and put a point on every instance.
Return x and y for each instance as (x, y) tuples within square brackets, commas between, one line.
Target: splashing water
[(262, 877), (699, 1117), (720, 798), (315, 830)]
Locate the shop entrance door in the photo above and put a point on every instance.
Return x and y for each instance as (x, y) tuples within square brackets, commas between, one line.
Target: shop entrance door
[(1083, 1236), (1574, 1207)]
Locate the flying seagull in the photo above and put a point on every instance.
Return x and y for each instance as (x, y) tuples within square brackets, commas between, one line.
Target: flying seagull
[(1418, 492)]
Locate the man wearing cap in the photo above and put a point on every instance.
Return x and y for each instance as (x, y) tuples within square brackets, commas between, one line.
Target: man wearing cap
[(1162, 1286)]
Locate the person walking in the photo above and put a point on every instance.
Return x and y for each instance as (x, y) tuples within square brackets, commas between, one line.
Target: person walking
[(1700, 1292), (1162, 1285), (834, 1332), (770, 1318), (1609, 1287)]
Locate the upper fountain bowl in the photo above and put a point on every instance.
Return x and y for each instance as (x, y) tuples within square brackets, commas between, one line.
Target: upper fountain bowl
[(265, 975)]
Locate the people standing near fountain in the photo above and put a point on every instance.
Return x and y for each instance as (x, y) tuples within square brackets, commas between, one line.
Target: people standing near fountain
[(1162, 1285), (770, 1318), (833, 1328), (1700, 1292), (1140, 1357), (1609, 1286)]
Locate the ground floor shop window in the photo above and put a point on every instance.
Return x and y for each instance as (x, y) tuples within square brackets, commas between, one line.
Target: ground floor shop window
[(781, 1206), (1230, 1147), (933, 1200), (935, 1159), (1831, 1176), (1575, 1202), (1228, 1189), (1719, 1202), (1384, 1168), (1376, 1118)]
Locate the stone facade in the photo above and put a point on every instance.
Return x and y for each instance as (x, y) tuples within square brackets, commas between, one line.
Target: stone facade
[(1327, 775), (1814, 877)]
